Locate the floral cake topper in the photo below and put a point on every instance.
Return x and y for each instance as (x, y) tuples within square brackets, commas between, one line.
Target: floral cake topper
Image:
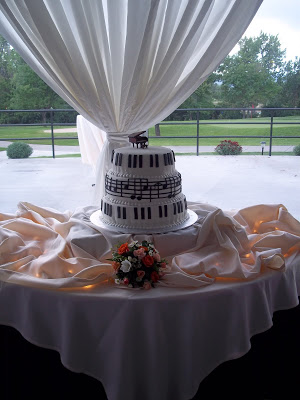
[(138, 265)]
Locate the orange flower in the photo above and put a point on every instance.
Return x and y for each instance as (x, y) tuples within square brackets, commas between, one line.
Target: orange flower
[(116, 265), (143, 247), (123, 248), (148, 261)]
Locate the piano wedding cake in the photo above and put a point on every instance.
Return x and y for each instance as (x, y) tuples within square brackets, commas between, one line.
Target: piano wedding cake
[(143, 191)]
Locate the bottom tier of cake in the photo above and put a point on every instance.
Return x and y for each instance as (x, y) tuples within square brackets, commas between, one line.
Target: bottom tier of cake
[(166, 214)]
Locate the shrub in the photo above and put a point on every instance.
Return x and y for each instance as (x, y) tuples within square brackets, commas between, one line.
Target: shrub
[(19, 150), (227, 147), (296, 150)]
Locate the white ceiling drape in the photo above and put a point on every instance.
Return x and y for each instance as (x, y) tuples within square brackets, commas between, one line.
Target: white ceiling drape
[(124, 65)]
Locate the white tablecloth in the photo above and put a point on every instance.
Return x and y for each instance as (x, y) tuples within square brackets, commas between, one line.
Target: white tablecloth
[(156, 344), (229, 273)]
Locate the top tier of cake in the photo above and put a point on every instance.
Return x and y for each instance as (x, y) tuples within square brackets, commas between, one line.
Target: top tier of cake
[(128, 161)]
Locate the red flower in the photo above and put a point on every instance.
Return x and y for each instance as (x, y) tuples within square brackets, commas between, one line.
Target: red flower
[(154, 276), (123, 248), (148, 261)]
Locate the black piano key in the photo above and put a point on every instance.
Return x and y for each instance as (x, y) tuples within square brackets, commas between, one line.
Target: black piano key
[(120, 159), (143, 213), (124, 213), (119, 211), (151, 160), (129, 161), (134, 161), (160, 211), (156, 161), (149, 212), (166, 159), (140, 161), (112, 156), (166, 210), (135, 213), (174, 208)]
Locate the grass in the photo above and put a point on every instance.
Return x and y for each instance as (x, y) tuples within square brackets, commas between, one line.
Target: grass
[(227, 130), (60, 156), (215, 129), (24, 132)]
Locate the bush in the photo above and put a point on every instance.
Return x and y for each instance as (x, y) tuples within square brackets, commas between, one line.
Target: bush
[(19, 150), (227, 147), (296, 150)]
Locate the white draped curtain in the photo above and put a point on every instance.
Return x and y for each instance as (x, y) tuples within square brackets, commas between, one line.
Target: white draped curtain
[(124, 65)]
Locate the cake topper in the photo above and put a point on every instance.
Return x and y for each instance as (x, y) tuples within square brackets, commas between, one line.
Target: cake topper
[(135, 138)]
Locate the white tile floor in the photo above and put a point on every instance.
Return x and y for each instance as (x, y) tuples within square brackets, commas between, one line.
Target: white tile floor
[(229, 182)]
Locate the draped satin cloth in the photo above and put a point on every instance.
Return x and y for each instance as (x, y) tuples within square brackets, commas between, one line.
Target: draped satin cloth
[(46, 248)]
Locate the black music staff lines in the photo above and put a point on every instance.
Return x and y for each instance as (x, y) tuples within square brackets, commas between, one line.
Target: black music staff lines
[(143, 188)]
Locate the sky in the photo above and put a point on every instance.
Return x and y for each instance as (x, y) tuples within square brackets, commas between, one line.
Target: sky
[(280, 17)]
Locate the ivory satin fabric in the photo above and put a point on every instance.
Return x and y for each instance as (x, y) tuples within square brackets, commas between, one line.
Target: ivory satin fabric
[(46, 248)]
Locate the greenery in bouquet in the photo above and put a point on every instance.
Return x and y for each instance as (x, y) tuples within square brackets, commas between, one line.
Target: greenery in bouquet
[(138, 264), (228, 147)]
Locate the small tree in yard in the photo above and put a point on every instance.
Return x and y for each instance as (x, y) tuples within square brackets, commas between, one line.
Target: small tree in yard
[(296, 150), (19, 150), (227, 147)]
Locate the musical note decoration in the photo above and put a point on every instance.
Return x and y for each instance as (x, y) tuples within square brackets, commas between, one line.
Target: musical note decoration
[(143, 188)]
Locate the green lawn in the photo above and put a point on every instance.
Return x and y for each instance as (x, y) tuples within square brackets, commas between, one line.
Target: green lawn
[(227, 130), (11, 132), (215, 129)]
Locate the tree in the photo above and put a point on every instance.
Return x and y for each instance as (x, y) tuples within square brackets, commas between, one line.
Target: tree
[(7, 68), (253, 75), (291, 84), (31, 92), (201, 98)]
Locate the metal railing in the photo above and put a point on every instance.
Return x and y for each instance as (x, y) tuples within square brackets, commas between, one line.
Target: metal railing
[(51, 124), (198, 122)]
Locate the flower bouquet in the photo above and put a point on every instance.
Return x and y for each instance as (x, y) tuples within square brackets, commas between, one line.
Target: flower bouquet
[(137, 264)]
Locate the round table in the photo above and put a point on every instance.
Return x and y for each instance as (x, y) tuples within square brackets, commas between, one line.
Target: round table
[(157, 344)]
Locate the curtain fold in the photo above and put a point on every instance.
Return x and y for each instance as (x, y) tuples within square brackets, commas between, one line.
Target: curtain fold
[(124, 65)]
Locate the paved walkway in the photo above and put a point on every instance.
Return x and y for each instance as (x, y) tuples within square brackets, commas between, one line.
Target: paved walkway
[(46, 150)]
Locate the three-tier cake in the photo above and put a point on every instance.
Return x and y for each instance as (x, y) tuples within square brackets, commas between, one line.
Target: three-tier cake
[(143, 190)]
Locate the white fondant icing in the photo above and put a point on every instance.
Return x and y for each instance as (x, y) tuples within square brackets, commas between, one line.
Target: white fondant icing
[(143, 190)]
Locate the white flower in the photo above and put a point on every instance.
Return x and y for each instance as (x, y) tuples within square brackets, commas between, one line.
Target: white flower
[(150, 253), (125, 266), (117, 281), (129, 258)]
